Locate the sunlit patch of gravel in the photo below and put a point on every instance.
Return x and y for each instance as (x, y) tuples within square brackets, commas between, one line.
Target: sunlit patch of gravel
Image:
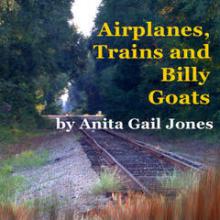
[(67, 176)]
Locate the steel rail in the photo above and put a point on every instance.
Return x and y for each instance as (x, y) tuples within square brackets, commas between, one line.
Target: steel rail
[(159, 153), (114, 160)]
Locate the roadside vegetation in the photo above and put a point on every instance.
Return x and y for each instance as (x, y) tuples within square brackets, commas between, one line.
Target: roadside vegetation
[(26, 159), (11, 185), (13, 134), (15, 139), (200, 201), (180, 180), (109, 181)]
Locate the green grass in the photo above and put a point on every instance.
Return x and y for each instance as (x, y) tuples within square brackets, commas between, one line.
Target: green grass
[(108, 182), (27, 159), (180, 180), (8, 135), (11, 185), (16, 133), (12, 135), (208, 136)]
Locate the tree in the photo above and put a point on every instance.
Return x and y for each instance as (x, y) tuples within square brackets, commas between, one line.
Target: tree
[(122, 86), (39, 53)]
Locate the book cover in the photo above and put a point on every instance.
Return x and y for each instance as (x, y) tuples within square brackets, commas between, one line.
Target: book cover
[(109, 109)]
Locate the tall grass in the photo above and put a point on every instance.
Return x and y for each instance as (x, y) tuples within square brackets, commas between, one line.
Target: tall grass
[(11, 185), (201, 202), (108, 182), (27, 159), (9, 212), (13, 134), (180, 180)]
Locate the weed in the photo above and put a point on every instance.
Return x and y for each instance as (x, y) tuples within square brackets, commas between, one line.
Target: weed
[(12, 135), (200, 202), (180, 180), (9, 185), (108, 182), (27, 159)]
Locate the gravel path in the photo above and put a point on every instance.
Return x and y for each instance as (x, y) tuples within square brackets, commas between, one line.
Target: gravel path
[(68, 176)]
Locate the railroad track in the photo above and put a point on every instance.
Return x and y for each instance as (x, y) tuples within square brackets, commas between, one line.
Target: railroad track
[(141, 163)]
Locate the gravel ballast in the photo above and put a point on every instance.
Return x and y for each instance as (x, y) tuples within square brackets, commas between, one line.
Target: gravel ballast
[(67, 176)]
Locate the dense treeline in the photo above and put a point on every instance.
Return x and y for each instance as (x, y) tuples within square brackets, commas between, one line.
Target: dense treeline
[(120, 87), (39, 53)]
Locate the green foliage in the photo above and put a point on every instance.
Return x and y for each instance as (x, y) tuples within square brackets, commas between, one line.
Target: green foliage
[(6, 134), (13, 134), (9, 185), (39, 53), (27, 159), (8, 5), (180, 180), (120, 88), (108, 182)]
